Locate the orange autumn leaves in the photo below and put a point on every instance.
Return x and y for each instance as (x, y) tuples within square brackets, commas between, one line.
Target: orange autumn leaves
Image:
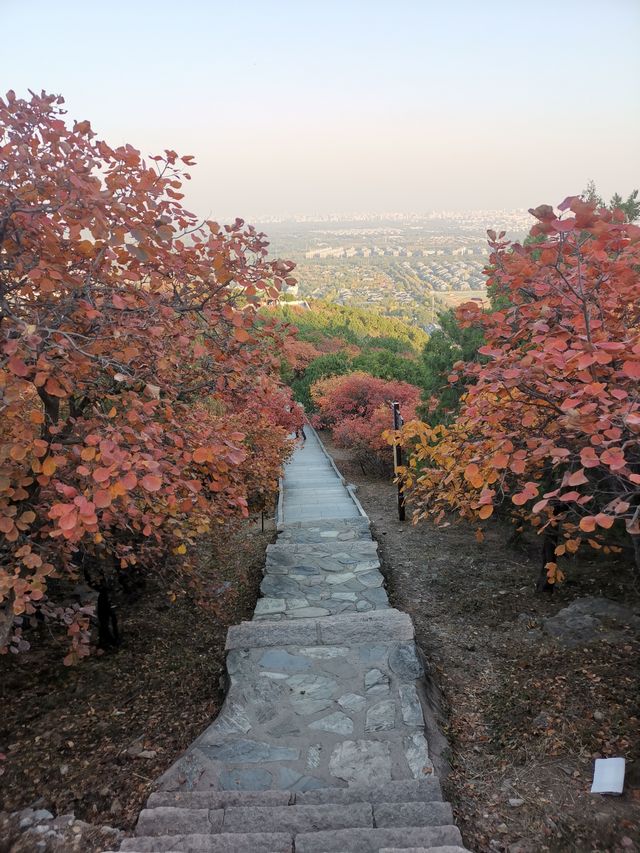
[(550, 425), (135, 381)]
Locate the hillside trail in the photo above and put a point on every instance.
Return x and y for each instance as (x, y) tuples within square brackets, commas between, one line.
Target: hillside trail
[(320, 744)]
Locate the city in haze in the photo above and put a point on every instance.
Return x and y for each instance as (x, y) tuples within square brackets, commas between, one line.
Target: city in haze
[(407, 266)]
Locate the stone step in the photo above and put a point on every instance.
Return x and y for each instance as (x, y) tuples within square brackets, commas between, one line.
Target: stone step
[(350, 629), (305, 476), (448, 848), (313, 493), (167, 820), (279, 563), (313, 513), (320, 511), (235, 842), (335, 504), (309, 532), (321, 530), (303, 605), (308, 478), (297, 819), (396, 791), (337, 585), (412, 814), (374, 840), (435, 839), (220, 799), (318, 514), (336, 524), (286, 550)]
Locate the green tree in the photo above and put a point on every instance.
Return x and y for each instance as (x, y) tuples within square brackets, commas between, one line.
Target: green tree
[(444, 348), (630, 206), (332, 364), (384, 364)]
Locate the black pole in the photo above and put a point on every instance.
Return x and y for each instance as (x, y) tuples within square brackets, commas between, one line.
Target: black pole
[(397, 458)]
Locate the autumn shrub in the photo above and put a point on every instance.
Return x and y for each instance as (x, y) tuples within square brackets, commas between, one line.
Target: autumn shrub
[(296, 357), (140, 400), (357, 407), (550, 423)]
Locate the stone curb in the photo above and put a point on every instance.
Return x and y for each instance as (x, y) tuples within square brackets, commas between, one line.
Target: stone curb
[(353, 628)]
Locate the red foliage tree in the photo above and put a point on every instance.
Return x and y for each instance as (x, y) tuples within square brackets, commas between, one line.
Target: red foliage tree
[(130, 362), (357, 408), (551, 422), (298, 355)]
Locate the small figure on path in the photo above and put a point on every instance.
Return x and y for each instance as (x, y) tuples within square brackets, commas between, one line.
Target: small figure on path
[(300, 430)]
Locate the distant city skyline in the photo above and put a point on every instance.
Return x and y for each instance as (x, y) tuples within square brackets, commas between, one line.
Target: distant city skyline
[(385, 216), (332, 107)]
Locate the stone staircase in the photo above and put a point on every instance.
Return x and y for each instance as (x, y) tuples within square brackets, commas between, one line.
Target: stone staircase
[(320, 744)]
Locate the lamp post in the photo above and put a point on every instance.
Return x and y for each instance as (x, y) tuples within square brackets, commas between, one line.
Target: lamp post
[(397, 457)]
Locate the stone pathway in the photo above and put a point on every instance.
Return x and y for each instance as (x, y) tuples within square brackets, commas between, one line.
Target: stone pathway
[(320, 744)]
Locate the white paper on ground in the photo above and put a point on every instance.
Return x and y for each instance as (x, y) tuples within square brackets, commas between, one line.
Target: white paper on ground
[(608, 776)]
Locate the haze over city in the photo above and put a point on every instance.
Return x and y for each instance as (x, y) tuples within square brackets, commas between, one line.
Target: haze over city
[(339, 108)]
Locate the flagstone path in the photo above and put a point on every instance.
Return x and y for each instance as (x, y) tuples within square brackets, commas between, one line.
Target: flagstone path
[(320, 743)]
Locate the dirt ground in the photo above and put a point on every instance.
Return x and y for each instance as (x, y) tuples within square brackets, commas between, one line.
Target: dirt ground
[(524, 716), (91, 739)]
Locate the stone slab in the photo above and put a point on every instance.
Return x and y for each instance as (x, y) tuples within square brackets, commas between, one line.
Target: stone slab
[(412, 814), (371, 840), (172, 820), (297, 819), (254, 842), (351, 629), (395, 791), (220, 799), (448, 848)]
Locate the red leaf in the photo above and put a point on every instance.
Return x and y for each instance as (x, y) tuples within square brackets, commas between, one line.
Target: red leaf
[(102, 498), (16, 365), (68, 521), (151, 482), (577, 478), (631, 369), (603, 520)]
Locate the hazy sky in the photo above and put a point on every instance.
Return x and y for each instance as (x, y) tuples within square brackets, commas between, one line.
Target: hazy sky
[(318, 106)]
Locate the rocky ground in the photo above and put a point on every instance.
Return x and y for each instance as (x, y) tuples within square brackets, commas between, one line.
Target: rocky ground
[(80, 747), (532, 688)]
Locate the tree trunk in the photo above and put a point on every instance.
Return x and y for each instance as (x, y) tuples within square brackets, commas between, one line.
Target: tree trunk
[(549, 545), (6, 620), (635, 538), (107, 622)]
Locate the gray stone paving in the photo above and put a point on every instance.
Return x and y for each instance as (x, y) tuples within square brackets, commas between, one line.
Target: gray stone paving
[(320, 744)]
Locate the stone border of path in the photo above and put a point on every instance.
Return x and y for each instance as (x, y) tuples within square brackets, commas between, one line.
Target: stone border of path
[(320, 744)]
